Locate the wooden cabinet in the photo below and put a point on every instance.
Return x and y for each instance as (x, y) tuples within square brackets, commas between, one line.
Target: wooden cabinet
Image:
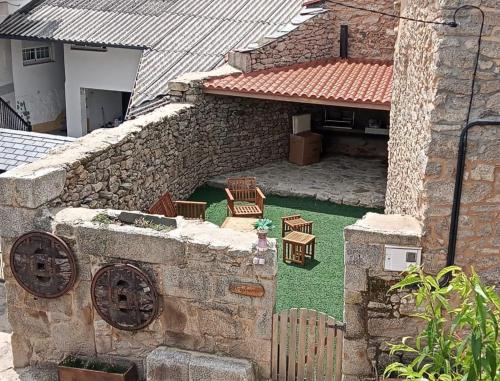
[(305, 148)]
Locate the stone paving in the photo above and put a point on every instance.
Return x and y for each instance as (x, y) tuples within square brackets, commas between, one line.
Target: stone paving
[(7, 372), (339, 179)]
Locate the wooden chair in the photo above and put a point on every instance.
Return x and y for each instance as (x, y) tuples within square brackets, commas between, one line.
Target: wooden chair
[(190, 210), (244, 198)]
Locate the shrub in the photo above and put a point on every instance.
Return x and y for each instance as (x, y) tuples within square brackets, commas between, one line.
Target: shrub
[(460, 341)]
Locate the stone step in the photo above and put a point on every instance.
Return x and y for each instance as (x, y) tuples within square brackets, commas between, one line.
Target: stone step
[(170, 364)]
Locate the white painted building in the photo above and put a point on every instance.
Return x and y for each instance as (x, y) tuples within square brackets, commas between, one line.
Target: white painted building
[(6, 77), (39, 83), (62, 86), (78, 66), (98, 86)]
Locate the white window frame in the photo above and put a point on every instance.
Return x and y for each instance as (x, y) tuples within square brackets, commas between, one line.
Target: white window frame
[(35, 58)]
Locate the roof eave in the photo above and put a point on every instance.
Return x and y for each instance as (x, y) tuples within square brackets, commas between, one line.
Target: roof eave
[(64, 41), (297, 99)]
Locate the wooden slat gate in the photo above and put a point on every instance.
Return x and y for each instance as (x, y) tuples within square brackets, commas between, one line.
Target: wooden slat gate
[(307, 345)]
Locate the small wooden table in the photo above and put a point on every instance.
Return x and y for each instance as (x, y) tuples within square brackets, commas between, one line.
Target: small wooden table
[(241, 224), (298, 245), (295, 223)]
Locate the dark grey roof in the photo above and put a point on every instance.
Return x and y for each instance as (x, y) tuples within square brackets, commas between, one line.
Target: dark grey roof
[(178, 36), (20, 147)]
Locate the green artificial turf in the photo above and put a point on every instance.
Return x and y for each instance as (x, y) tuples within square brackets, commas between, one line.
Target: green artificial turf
[(319, 285)]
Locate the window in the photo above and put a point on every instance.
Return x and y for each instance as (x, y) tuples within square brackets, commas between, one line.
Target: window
[(37, 55)]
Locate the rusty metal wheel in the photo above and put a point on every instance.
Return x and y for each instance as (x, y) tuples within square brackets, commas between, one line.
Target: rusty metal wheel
[(124, 297), (43, 264)]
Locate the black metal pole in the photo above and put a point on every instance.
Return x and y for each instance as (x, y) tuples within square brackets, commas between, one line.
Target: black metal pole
[(457, 197)]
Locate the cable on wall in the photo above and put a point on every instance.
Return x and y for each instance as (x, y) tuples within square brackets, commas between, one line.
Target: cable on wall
[(387, 14), (478, 53)]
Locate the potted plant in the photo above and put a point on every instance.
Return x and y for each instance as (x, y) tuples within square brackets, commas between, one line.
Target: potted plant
[(263, 226), (90, 369), (461, 339)]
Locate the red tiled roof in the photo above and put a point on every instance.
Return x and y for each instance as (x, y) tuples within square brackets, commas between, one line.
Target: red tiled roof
[(334, 81)]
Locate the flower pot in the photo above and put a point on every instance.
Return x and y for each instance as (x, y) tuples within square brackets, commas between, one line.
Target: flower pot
[(262, 244), (73, 369)]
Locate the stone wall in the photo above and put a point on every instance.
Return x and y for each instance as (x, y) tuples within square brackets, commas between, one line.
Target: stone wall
[(176, 148), (373, 316), (432, 85), (167, 364), (370, 36), (412, 98), (191, 268)]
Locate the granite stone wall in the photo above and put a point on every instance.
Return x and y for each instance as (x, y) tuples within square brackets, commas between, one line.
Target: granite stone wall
[(432, 87), (179, 153), (192, 268), (176, 148), (370, 36), (373, 316)]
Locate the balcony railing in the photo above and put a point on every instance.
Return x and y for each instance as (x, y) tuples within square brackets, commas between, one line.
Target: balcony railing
[(10, 119)]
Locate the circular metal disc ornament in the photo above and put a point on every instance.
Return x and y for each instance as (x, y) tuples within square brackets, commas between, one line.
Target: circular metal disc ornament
[(124, 297), (43, 264)]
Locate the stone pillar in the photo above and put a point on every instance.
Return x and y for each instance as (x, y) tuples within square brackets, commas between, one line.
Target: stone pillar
[(372, 316)]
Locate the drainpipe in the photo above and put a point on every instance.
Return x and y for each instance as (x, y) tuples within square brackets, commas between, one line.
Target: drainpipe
[(457, 198)]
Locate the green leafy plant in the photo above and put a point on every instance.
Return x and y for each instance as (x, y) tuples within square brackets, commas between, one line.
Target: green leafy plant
[(143, 223), (264, 224), (93, 364), (102, 218), (460, 341)]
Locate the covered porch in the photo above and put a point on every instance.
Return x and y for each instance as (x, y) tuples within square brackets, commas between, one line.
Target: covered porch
[(339, 128)]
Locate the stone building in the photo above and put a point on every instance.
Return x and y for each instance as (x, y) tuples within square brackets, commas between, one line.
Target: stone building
[(180, 146), (433, 78)]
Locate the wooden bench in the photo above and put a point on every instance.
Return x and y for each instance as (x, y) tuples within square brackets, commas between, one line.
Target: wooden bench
[(188, 209)]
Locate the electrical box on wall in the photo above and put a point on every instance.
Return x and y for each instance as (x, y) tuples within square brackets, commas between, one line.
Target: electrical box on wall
[(400, 258), (301, 123)]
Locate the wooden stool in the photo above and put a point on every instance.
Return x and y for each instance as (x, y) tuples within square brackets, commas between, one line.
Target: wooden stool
[(295, 223), (298, 245)]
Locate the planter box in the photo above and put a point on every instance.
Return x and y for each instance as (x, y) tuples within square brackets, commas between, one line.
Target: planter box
[(70, 373)]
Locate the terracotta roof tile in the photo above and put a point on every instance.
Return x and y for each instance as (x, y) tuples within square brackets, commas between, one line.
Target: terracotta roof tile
[(365, 82)]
